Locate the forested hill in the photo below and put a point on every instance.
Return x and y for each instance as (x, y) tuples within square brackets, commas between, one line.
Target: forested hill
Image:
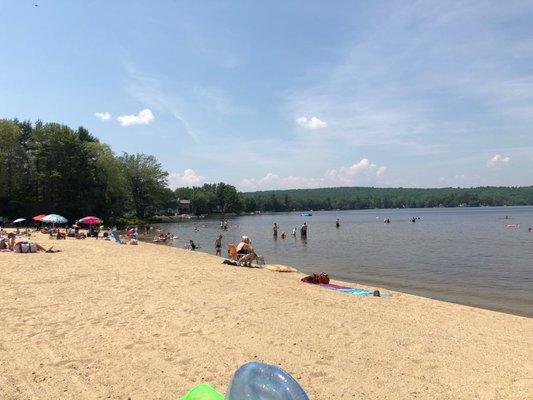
[(345, 198)]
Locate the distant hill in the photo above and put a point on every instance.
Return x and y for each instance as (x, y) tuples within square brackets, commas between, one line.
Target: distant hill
[(346, 198)]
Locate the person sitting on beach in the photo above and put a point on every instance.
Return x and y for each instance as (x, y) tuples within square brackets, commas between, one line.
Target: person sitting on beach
[(245, 252), (218, 246)]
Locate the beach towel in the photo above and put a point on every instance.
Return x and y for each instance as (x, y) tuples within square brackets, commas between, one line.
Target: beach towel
[(280, 268), (347, 289)]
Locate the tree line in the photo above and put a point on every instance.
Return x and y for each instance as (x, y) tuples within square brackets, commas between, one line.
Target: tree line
[(52, 168), (353, 198)]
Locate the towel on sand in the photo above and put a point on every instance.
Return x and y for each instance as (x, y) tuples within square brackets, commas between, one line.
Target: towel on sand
[(347, 289)]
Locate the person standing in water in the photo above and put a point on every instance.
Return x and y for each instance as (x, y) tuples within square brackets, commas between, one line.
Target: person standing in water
[(275, 228), (303, 230), (294, 231), (338, 223), (218, 246)]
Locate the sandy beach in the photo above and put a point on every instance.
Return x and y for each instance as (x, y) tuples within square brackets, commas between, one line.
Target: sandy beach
[(105, 321)]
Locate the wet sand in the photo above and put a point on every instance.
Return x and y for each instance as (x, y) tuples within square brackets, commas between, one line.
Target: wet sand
[(105, 321)]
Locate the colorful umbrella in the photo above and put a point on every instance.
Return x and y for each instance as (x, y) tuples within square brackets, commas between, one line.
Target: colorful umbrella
[(90, 220), (19, 220), (55, 219), (39, 217)]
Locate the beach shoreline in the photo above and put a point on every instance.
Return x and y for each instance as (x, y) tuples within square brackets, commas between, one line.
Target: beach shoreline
[(386, 287), (103, 320)]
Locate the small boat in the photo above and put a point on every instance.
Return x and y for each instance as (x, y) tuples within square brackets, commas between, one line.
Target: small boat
[(306, 214)]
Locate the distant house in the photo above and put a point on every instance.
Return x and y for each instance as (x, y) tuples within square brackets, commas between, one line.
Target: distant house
[(184, 206)]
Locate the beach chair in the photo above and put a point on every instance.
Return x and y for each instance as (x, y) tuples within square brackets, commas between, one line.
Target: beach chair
[(116, 236), (232, 252)]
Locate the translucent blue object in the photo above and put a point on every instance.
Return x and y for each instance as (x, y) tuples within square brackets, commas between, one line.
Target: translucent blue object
[(258, 381)]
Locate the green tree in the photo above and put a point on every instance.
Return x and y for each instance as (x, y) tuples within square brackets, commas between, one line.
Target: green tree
[(146, 181)]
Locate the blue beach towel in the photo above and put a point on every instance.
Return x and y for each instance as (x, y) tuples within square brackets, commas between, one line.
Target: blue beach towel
[(347, 289)]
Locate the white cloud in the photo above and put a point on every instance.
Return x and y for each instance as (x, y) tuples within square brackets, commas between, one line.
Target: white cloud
[(103, 116), (498, 160), (381, 171), (188, 178), (144, 117), (363, 172), (311, 123)]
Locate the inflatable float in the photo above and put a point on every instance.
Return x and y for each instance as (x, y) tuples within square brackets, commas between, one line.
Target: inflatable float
[(253, 381)]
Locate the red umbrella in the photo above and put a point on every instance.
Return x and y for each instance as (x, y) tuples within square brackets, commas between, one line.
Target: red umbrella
[(90, 220), (39, 217)]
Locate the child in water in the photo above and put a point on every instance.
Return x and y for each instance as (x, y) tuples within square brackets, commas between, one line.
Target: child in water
[(218, 246)]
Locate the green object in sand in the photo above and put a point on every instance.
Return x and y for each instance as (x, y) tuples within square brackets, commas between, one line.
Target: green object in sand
[(203, 392)]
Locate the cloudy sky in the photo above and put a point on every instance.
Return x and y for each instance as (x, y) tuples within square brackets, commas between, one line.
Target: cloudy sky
[(285, 94)]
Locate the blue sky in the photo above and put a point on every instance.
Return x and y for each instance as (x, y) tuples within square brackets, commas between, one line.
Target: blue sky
[(285, 94)]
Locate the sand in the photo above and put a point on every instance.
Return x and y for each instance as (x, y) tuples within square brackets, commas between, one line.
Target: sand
[(106, 321)]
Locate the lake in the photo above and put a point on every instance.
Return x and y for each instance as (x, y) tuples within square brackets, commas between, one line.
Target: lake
[(462, 255)]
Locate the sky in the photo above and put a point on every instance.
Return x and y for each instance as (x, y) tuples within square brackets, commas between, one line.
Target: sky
[(285, 94)]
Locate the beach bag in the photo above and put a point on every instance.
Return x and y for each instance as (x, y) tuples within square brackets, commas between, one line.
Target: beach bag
[(323, 278), (316, 279)]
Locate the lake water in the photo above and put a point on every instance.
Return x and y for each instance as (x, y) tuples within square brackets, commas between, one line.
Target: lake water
[(462, 255)]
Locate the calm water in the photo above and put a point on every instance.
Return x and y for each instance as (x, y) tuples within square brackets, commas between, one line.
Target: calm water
[(463, 255)]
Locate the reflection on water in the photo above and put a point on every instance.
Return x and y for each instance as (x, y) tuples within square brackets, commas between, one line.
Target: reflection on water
[(464, 255)]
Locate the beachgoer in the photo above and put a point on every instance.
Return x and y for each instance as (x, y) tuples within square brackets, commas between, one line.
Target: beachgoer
[(303, 230), (338, 223), (275, 228), (218, 246), (294, 231), (221, 224), (192, 246), (530, 229), (283, 235), (245, 252), (225, 224)]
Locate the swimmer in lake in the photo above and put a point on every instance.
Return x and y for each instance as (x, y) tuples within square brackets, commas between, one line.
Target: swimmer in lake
[(338, 223), (294, 231), (283, 235), (275, 228)]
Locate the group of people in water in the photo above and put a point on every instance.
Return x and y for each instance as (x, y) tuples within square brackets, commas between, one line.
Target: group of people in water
[(303, 231)]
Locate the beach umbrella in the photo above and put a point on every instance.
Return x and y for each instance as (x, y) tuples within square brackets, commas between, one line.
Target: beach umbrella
[(19, 220), (90, 220), (39, 217), (54, 219)]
